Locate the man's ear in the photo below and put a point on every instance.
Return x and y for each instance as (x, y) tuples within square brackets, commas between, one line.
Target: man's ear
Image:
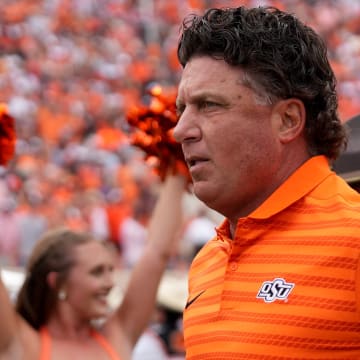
[(291, 119)]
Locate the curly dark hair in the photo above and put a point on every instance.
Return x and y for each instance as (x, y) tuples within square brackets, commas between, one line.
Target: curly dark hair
[(281, 57)]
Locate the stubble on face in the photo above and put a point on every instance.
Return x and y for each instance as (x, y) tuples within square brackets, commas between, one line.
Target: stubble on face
[(236, 136)]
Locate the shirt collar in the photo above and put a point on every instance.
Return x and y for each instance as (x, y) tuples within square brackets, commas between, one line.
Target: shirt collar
[(301, 182)]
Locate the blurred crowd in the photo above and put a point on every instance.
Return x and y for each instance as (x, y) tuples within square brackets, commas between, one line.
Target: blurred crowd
[(69, 72)]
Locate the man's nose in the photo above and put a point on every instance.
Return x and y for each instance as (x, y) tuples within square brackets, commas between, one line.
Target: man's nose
[(187, 129)]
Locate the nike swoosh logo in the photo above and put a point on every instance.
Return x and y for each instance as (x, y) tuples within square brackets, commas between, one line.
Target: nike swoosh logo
[(193, 299)]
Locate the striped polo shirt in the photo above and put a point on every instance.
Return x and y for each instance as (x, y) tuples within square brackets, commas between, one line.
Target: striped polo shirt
[(288, 285)]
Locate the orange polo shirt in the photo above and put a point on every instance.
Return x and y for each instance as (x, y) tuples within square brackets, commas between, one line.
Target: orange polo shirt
[(288, 285)]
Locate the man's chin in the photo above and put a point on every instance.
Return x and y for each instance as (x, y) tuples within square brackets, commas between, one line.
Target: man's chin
[(204, 192)]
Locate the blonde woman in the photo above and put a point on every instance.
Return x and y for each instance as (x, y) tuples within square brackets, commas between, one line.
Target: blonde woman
[(69, 277)]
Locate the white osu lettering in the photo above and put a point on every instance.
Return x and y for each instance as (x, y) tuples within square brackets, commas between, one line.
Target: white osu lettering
[(276, 289)]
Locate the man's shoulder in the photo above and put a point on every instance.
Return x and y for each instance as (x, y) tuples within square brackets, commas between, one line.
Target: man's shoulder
[(335, 190)]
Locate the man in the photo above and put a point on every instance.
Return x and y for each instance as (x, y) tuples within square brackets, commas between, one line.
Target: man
[(259, 130)]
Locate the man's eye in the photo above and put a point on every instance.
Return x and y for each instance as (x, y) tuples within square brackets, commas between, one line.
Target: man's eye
[(206, 104)]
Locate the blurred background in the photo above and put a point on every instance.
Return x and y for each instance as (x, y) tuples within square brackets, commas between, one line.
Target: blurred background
[(69, 72)]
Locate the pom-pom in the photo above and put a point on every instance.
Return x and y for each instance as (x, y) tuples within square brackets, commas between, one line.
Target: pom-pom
[(153, 132), (7, 135)]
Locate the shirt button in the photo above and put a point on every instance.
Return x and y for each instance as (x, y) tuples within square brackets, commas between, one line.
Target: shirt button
[(233, 266)]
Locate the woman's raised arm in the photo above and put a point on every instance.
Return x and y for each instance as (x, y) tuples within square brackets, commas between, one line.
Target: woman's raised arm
[(16, 336), (139, 299)]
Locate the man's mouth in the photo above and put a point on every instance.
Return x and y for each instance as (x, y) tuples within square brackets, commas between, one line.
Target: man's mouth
[(193, 161)]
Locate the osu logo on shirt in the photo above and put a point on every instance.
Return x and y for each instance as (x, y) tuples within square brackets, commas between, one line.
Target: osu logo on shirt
[(276, 289)]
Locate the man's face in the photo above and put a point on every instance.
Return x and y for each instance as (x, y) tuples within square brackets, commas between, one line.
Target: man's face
[(228, 138)]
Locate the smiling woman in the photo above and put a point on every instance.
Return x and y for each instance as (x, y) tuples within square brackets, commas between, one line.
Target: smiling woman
[(66, 288), (69, 266)]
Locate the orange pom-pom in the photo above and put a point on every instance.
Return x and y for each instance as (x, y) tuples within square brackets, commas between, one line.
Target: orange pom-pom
[(7, 135), (153, 126)]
